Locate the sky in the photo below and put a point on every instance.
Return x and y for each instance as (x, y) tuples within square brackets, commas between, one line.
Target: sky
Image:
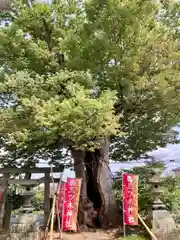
[(166, 154), (170, 152)]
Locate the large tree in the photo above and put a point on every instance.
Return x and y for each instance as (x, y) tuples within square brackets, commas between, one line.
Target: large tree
[(82, 75)]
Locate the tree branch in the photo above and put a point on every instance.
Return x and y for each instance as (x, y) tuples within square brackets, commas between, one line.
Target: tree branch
[(48, 35)]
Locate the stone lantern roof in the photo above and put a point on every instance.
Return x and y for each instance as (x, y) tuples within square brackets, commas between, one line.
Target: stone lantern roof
[(156, 180)]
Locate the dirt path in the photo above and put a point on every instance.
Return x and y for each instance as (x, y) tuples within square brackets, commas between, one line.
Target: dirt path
[(99, 235)]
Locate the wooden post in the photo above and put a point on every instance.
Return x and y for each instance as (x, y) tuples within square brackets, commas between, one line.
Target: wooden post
[(2, 203), (46, 198), (7, 217), (147, 228)]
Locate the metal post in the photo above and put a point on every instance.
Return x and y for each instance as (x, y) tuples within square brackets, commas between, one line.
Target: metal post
[(47, 207), (62, 222), (58, 191), (124, 225)]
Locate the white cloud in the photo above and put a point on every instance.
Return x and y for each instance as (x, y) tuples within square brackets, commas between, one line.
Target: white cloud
[(170, 152)]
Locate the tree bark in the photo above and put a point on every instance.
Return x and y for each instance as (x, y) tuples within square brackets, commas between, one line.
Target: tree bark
[(79, 167), (109, 212), (98, 206), (3, 200)]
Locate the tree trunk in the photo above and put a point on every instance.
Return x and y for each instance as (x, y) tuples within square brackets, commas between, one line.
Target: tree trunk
[(98, 206), (3, 200), (81, 173)]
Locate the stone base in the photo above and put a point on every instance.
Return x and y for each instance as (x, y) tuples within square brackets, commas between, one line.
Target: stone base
[(19, 228), (25, 227), (29, 218), (24, 236), (162, 223), (175, 235)]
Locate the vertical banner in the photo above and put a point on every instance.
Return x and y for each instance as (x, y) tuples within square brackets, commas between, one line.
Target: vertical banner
[(61, 198), (1, 193), (72, 195), (130, 198)]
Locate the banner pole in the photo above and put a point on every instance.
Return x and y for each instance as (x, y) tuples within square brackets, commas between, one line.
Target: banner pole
[(147, 228), (124, 225)]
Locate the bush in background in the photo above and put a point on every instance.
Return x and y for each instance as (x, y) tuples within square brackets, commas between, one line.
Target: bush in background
[(38, 201)]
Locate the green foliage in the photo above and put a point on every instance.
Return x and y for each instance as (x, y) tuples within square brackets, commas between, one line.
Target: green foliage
[(15, 198), (50, 116), (73, 74), (133, 238), (170, 197), (38, 200), (17, 201)]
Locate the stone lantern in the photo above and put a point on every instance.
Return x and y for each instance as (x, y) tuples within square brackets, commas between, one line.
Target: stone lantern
[(25, 226), (28, 195), (157, 183), (161, 220)]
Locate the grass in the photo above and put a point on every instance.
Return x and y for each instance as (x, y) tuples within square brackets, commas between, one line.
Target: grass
[(133, 238)]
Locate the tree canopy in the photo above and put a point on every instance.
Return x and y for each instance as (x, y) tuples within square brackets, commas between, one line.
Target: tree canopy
[(73, 73)]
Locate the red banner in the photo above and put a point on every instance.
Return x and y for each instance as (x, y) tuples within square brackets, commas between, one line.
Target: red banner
[(61, 198), (72, 195), (1, 193), (130, 190), (1, 196)]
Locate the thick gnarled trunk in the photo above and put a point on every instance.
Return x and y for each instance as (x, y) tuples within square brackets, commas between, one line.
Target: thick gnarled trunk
[(98, 206), (81, 173)]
